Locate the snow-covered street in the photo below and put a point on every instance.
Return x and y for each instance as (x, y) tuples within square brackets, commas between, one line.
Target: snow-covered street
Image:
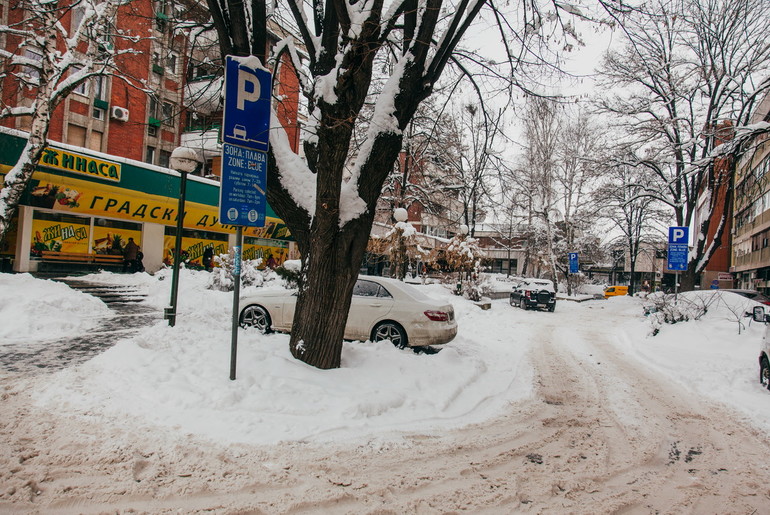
[(578, 411)]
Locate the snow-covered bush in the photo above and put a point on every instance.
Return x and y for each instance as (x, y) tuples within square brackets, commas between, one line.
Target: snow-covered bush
[(464, 255), (289, 274), (222, 275), (671, 309)]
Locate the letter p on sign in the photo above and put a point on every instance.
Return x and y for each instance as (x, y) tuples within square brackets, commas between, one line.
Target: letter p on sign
[(678, 235), (246, 94)]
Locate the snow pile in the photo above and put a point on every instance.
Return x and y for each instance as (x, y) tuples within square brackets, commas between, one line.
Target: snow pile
[(41, 309), (179, 377), (715, 355)]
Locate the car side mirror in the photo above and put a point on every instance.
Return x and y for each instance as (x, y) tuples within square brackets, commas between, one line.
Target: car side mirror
[(758, 314)]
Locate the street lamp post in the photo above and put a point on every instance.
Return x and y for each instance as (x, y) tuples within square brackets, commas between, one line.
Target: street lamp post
[(184, 160), (401, 215)]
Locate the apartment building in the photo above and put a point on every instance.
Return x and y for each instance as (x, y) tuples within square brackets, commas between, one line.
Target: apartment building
[(751, 238), (112, 114)]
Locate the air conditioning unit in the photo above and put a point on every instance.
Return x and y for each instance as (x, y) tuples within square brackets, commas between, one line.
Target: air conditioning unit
[(119, 113)]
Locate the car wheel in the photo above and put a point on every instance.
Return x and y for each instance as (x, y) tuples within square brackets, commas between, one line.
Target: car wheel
[(256, 316), (764, 373), (523, 303), (513, 302), (390, 331)]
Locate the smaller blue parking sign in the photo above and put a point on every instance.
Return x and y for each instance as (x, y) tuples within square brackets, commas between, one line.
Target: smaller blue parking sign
[(574, 265), (678, 248)]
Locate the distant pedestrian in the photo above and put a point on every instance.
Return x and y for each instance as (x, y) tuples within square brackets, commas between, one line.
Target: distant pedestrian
[(129, 256), (208, 258), (138, 264)]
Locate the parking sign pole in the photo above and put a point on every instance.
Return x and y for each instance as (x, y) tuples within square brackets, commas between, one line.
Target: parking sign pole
[(236, 294)]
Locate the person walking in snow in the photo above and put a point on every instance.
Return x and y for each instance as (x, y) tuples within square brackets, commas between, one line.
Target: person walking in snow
[(129, 256)]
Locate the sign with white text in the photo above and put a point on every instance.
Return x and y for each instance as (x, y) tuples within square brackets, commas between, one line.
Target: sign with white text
[(242, 190), (678, 248)]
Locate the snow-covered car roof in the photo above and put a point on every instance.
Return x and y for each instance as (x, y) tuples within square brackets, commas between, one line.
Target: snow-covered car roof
[(541, 284)]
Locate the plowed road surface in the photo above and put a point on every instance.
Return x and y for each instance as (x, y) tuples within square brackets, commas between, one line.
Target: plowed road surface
[(602, 434)]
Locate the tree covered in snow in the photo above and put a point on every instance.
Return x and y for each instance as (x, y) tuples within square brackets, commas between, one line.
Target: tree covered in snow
[(464, 256), (327, 196), (401, 246), (689, 74), (622, 201), (423, 175), (50, 50), (551, 186)]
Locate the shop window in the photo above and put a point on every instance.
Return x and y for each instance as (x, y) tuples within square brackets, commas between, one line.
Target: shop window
[(111, 236), (59, 233)]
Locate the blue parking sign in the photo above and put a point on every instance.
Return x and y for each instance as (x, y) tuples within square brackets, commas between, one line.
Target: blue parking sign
[(246, 118), (574, 265), (678, 248)]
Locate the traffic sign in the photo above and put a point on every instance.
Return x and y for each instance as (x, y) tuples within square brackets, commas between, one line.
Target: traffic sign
[(246, 118), (242, 189), (678, 248), (678, 235), (573, 263)]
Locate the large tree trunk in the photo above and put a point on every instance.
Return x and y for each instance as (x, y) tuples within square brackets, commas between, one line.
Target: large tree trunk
[(332, 269)]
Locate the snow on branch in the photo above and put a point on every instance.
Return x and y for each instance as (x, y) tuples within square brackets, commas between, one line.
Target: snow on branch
[(296, 178)]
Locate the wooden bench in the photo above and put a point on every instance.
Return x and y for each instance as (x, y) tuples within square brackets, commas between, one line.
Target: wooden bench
[(74, 257)]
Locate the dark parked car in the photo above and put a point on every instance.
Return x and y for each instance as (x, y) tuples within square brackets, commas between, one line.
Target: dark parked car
[(534, 293)]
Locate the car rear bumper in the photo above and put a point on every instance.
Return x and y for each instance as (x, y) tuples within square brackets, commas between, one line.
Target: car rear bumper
[(432, 333)]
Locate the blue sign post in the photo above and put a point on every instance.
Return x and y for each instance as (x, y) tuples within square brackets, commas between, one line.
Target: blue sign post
[(678, 248), (246, 117), (678, 252), (245, 129), (245, 137), (574, 264)]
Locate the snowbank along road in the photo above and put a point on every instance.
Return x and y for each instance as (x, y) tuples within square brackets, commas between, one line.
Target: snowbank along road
[(601, 434)]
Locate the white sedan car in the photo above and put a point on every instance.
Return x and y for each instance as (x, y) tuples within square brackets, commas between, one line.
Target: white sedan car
[(381, 309)]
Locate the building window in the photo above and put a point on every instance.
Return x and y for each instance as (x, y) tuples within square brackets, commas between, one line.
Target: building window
[(95, 141), (76, 135), (82, 88), (171, 61), (33, 55), (164, 158), (152, 131), (152, 109), (98, 113), (78, 12), (168, 113), (99, 84), (150, 158)]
